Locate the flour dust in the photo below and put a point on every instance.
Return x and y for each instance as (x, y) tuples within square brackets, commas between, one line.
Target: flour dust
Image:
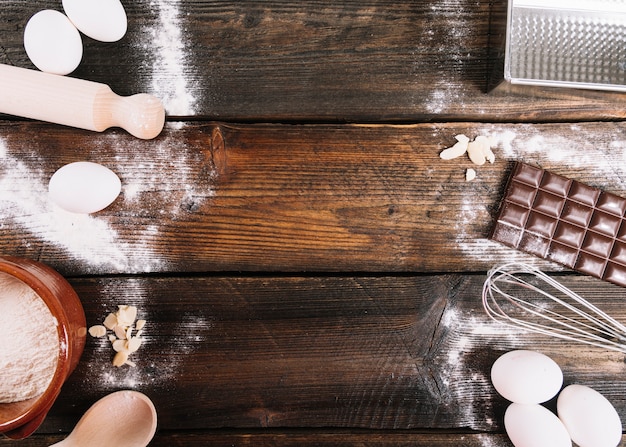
[(95, 241), (186, 332), (467, 384), (575, 147), (170, 53)]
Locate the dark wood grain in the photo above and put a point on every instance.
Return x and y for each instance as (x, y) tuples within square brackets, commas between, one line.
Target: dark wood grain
[(388, 352), (310, 269), (353, 61), (223, 197), (313, 438), (304, 439)]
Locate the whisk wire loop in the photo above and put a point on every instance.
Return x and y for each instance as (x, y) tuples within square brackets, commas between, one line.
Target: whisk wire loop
[(511, 296)]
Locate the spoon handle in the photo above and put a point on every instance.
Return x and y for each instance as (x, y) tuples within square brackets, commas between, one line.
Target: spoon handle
[(77, 103)]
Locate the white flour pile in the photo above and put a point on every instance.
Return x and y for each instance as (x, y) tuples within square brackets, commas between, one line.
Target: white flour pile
[(29, 343)]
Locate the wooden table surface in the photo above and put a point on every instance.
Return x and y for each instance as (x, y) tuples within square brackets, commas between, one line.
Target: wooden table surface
[(309, 268)]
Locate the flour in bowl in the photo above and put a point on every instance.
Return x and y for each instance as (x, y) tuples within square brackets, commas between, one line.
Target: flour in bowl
[(29, 342)]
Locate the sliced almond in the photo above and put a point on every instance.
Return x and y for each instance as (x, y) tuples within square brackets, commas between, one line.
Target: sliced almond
[(476, 153), (120, 358), (126, 315), (97, 331), (120, 345), (486, 144), (110, 321), (122, 324), (120, 332), (134, 344), (470, 174), (459, 148)]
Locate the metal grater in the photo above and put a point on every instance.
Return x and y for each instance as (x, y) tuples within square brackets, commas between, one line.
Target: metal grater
[(574, 43)]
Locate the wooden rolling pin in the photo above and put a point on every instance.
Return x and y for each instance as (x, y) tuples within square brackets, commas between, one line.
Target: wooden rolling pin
[(77, 103)]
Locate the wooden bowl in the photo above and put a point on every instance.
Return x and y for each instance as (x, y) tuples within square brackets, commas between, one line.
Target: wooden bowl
[(20, 419)]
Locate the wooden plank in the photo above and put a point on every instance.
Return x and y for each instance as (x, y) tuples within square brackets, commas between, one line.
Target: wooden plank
[(304, 439), (285, 198), (409, 352), (355, 61), (315, 438)]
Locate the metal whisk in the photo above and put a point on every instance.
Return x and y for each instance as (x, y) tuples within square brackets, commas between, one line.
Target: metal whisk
[(523, 296)]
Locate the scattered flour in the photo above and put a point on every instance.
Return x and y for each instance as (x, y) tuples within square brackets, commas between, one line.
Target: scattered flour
[(449, 45), (95, 240), (170, 53), (24, 203), (466, 384), (576, 147), (163, 366), (29, 345)]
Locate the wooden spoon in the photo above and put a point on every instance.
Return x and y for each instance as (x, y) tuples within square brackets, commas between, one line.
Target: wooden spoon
[(121, 419)]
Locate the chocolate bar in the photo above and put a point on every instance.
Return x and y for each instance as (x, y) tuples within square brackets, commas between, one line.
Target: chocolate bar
[(565, 221)]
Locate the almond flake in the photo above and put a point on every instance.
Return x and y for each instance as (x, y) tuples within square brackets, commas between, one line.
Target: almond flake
[(120, 346), (120, 332), (126, 315), (97, 331), (134, 344), (459, 148), (110, 322), (120, 358), (470, 175), (122, 324)]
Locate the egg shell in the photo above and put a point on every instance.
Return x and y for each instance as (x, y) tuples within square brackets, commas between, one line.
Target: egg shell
[(52, 42), (526, 377), (84, 187), (589, 417), (532, 425), (103, 20)]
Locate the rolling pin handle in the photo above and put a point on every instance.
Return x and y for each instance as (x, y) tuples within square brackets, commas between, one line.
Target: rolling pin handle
[(141, 115)]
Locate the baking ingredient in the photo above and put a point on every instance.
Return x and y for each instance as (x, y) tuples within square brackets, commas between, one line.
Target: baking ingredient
[(52, 42), (29, 344), (122, 324), (538, 201), (470, 174), (459, 148), (479, 150), (526, 377), (589, 417), (103, 20), (166, 43), (532, 425), (84, 187)]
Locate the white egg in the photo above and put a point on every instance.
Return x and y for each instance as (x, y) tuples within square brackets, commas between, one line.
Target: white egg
[(526, 377), (589, 417), (84, 187), (52, 43), (531, 425), (103, 20)]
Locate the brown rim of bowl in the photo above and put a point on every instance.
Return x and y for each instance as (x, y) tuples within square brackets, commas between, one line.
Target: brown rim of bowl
[(44, 402)]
